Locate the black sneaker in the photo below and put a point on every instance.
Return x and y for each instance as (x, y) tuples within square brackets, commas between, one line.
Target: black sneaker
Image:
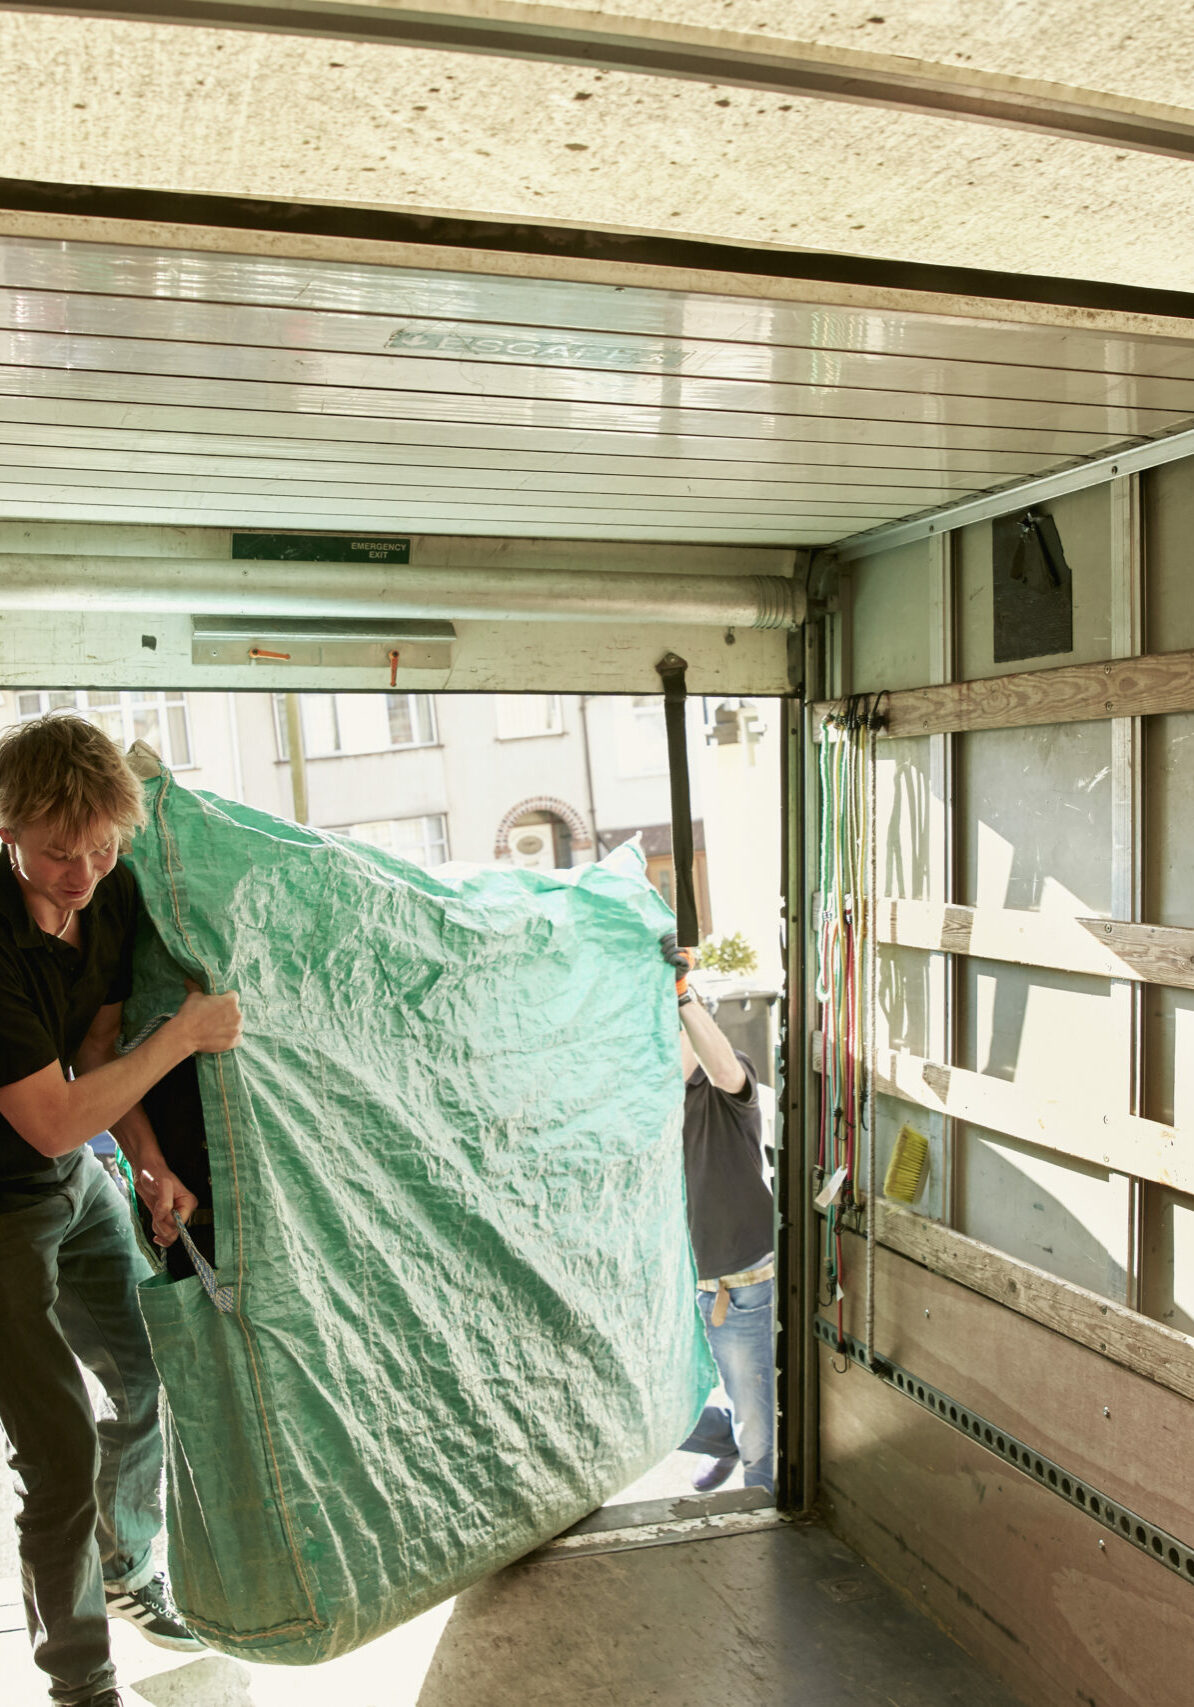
[(105, 1698), (151, 1609)]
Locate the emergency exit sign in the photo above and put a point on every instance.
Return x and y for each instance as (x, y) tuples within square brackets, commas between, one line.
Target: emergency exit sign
[(320, 548)]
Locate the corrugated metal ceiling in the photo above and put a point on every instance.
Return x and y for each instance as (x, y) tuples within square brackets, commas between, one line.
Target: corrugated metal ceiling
[(145, 384)]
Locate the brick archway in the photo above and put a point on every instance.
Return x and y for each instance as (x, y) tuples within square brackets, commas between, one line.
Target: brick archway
[(541, 803)]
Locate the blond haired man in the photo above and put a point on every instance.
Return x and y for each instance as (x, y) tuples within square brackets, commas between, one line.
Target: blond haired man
[(69, 1261)]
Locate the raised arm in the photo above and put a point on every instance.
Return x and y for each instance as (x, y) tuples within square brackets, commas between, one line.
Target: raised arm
[(712, 1048)]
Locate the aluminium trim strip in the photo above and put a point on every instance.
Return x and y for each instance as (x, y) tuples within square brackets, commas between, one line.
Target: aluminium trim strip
[(1172, 447), (714, 1526), (1129, 1526)]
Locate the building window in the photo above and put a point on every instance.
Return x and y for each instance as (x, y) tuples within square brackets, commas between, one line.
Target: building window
[(321, 725), (423, 841), (160, 719), (342, 724), (642, 736), (662, 874), (411, 719), (520, 715), (281, 732)]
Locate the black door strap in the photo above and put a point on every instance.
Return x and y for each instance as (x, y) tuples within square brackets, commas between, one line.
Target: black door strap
[(671, 670)]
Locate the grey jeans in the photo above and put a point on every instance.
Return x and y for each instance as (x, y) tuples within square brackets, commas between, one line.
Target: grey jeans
[(89, 1495)]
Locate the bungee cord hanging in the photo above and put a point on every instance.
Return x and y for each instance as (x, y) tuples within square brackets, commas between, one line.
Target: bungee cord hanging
[(846, 978)]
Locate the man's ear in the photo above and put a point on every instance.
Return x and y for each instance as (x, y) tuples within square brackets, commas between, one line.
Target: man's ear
[(8, 836)]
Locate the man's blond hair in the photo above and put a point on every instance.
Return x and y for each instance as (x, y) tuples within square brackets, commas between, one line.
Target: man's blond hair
[(63, 769)]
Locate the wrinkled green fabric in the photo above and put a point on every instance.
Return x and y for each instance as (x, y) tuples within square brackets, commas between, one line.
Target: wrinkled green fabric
[(448, 1181)]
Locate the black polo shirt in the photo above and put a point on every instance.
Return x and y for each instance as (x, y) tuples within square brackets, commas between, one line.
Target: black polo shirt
[(729, 1200), (50, 994)]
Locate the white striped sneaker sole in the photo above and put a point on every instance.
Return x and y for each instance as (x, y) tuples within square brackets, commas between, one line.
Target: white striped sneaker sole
[(156, 1622)]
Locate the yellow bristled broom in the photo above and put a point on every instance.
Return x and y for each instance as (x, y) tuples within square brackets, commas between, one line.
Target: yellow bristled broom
[(908, 1168)]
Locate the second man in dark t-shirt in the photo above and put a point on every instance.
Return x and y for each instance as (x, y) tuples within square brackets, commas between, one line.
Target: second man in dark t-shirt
[(730, 1220)]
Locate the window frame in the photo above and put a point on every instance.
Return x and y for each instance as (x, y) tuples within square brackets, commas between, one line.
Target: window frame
[(556, 701), (636, 711), (428, 737), (127, 702), (423, 818)]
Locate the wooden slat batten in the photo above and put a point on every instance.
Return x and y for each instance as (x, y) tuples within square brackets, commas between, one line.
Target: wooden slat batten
[(1123, 1143), (1135, 1342), (1100, 948), (1076, 693)]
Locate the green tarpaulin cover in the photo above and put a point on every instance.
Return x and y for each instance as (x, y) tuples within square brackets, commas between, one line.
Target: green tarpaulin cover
[(458, 1303)]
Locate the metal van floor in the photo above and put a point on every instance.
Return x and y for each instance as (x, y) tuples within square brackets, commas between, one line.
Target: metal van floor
[(781, 1617)]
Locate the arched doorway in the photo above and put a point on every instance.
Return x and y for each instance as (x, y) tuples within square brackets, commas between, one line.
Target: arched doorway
[(543, 833)]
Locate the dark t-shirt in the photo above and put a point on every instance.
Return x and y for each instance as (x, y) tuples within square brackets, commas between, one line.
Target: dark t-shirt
[(49, 995), (175, 1109), (729, 1201)]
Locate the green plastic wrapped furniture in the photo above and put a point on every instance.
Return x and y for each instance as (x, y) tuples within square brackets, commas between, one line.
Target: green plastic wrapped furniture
[(456, 1305)]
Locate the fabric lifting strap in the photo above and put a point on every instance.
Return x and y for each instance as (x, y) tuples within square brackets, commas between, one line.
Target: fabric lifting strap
[(671, 670)]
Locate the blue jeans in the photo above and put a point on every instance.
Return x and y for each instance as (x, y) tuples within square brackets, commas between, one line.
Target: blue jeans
[(742, 1349), (89, 1496)]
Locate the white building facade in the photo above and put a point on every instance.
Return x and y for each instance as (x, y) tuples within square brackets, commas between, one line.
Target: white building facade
[(531, 779)]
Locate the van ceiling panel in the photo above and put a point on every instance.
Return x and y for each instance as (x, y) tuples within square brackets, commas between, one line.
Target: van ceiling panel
[(149, 384), (586, 41), (110, 100)]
